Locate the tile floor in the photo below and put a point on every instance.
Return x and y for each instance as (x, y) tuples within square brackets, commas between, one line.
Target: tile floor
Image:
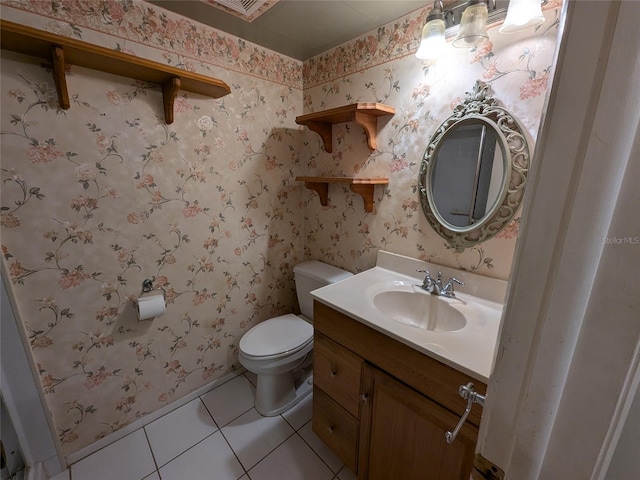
[(218, 436)]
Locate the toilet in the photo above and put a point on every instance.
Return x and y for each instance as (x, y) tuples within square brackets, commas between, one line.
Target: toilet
[(279, 350)]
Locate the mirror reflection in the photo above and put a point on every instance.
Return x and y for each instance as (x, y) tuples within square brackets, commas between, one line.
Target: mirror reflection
[(474, 171), (467, 174)]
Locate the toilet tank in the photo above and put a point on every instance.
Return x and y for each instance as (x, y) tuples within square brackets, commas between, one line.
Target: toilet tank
[(312, 275)]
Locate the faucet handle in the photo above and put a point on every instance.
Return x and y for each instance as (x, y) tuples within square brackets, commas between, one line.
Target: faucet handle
[(448, 290), (428, 281)]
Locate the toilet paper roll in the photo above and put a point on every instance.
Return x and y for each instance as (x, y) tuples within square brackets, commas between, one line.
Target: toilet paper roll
[(150, 306)]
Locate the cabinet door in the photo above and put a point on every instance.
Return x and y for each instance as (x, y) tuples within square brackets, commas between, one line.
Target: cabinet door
[(402, 434)]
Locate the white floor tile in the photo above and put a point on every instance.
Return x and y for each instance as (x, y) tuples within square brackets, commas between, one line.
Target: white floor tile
[(346, 474), (300, 413), (210, 459), (64, 475), (253, 436), (153, 476), (179, 430), (126, 459), (293, 460), (253, 378), (229, 400), (318, 446)]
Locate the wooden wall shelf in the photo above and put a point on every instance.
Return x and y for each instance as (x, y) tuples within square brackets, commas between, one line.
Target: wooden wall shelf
[(64, 51), (364, 114), (362, 186)]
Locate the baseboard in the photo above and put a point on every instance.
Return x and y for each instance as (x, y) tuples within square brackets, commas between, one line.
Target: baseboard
[(147, 419)]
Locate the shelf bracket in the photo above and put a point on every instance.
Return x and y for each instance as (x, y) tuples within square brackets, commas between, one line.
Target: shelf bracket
[(325, 130), (364, 114), (362, 186), (322, 189), (169, 91), (370, 125), (366, 192), (59, 77)]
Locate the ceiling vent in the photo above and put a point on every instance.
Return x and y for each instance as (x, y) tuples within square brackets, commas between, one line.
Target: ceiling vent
[(247, 9)]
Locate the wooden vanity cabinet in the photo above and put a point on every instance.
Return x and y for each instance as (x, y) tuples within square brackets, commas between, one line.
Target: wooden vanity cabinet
[(383, 407)]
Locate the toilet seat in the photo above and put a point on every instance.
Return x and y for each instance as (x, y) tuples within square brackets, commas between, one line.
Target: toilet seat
[(277, 336)]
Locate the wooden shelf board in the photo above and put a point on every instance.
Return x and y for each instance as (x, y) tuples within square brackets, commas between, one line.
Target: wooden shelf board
[(362, 186), (362, 181), (39, 43), (346, 113), (364, 114)]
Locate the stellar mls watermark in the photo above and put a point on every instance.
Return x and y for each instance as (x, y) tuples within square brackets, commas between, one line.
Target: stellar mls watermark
[(622, 240)]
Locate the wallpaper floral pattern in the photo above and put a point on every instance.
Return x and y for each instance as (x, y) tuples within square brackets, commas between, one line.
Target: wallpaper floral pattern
[(97, 198), (518, 69)]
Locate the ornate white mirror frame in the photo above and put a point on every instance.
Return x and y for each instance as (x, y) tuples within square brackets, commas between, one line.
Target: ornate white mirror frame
[(478, 109)]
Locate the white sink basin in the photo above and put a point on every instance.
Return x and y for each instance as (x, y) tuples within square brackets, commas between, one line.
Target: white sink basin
[(421, 310), (460, 332)]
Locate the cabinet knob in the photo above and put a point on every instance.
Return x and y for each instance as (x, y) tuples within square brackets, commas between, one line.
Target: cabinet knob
[(331, 428), (364, 398), (333, 373)]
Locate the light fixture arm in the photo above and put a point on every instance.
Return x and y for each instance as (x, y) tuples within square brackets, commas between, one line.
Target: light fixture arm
[(436, 12)]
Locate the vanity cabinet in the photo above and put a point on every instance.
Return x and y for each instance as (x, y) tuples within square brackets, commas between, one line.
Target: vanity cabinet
[(384, 408)]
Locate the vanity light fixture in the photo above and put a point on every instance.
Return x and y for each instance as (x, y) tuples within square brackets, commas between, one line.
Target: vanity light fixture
[(432, 42), (522, 14), (473, 26), (467, 21)]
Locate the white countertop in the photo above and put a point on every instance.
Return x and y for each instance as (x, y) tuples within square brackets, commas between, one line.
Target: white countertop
[(469, 350)]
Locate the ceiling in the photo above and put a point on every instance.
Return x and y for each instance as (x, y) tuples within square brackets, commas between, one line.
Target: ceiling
[(300, 29)]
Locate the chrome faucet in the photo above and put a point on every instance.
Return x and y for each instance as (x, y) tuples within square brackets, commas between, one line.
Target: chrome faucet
[(435, 287), (448, 290)]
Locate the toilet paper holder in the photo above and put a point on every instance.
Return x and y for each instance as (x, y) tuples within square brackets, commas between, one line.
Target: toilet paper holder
[(147, 286)]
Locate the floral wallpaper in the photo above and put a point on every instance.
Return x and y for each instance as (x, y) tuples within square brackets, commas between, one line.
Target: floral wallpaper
[(132, 25), (97, 198), (383, 69)]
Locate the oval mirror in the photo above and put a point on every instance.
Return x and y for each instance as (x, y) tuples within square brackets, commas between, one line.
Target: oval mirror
[(474, 170)]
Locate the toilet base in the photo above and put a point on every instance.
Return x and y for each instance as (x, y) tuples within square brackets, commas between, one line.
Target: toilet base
[(275, 394)]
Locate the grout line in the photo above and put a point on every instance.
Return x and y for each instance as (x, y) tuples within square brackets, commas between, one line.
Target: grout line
[(211, 416), (320, 456), (271, 451), (209, 412), (246, 472), (230, 421), (249, 379), (153, 455), (185, 451)]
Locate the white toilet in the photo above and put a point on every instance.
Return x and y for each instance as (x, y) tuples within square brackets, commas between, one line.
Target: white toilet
[(278, 350)]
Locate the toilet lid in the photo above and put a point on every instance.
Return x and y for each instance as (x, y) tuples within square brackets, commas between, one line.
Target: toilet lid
[(276, 335)]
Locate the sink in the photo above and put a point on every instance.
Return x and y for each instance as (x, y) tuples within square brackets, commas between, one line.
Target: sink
[(420, 310), (460, 332), (408, 304)]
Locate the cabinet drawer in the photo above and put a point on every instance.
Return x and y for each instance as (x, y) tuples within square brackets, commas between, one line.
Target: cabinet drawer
[(336, 428), (421, 372), (337, 371)]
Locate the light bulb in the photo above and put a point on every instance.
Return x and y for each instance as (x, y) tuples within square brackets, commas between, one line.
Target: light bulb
[(473, 25), (522, 14), (432, 42)]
